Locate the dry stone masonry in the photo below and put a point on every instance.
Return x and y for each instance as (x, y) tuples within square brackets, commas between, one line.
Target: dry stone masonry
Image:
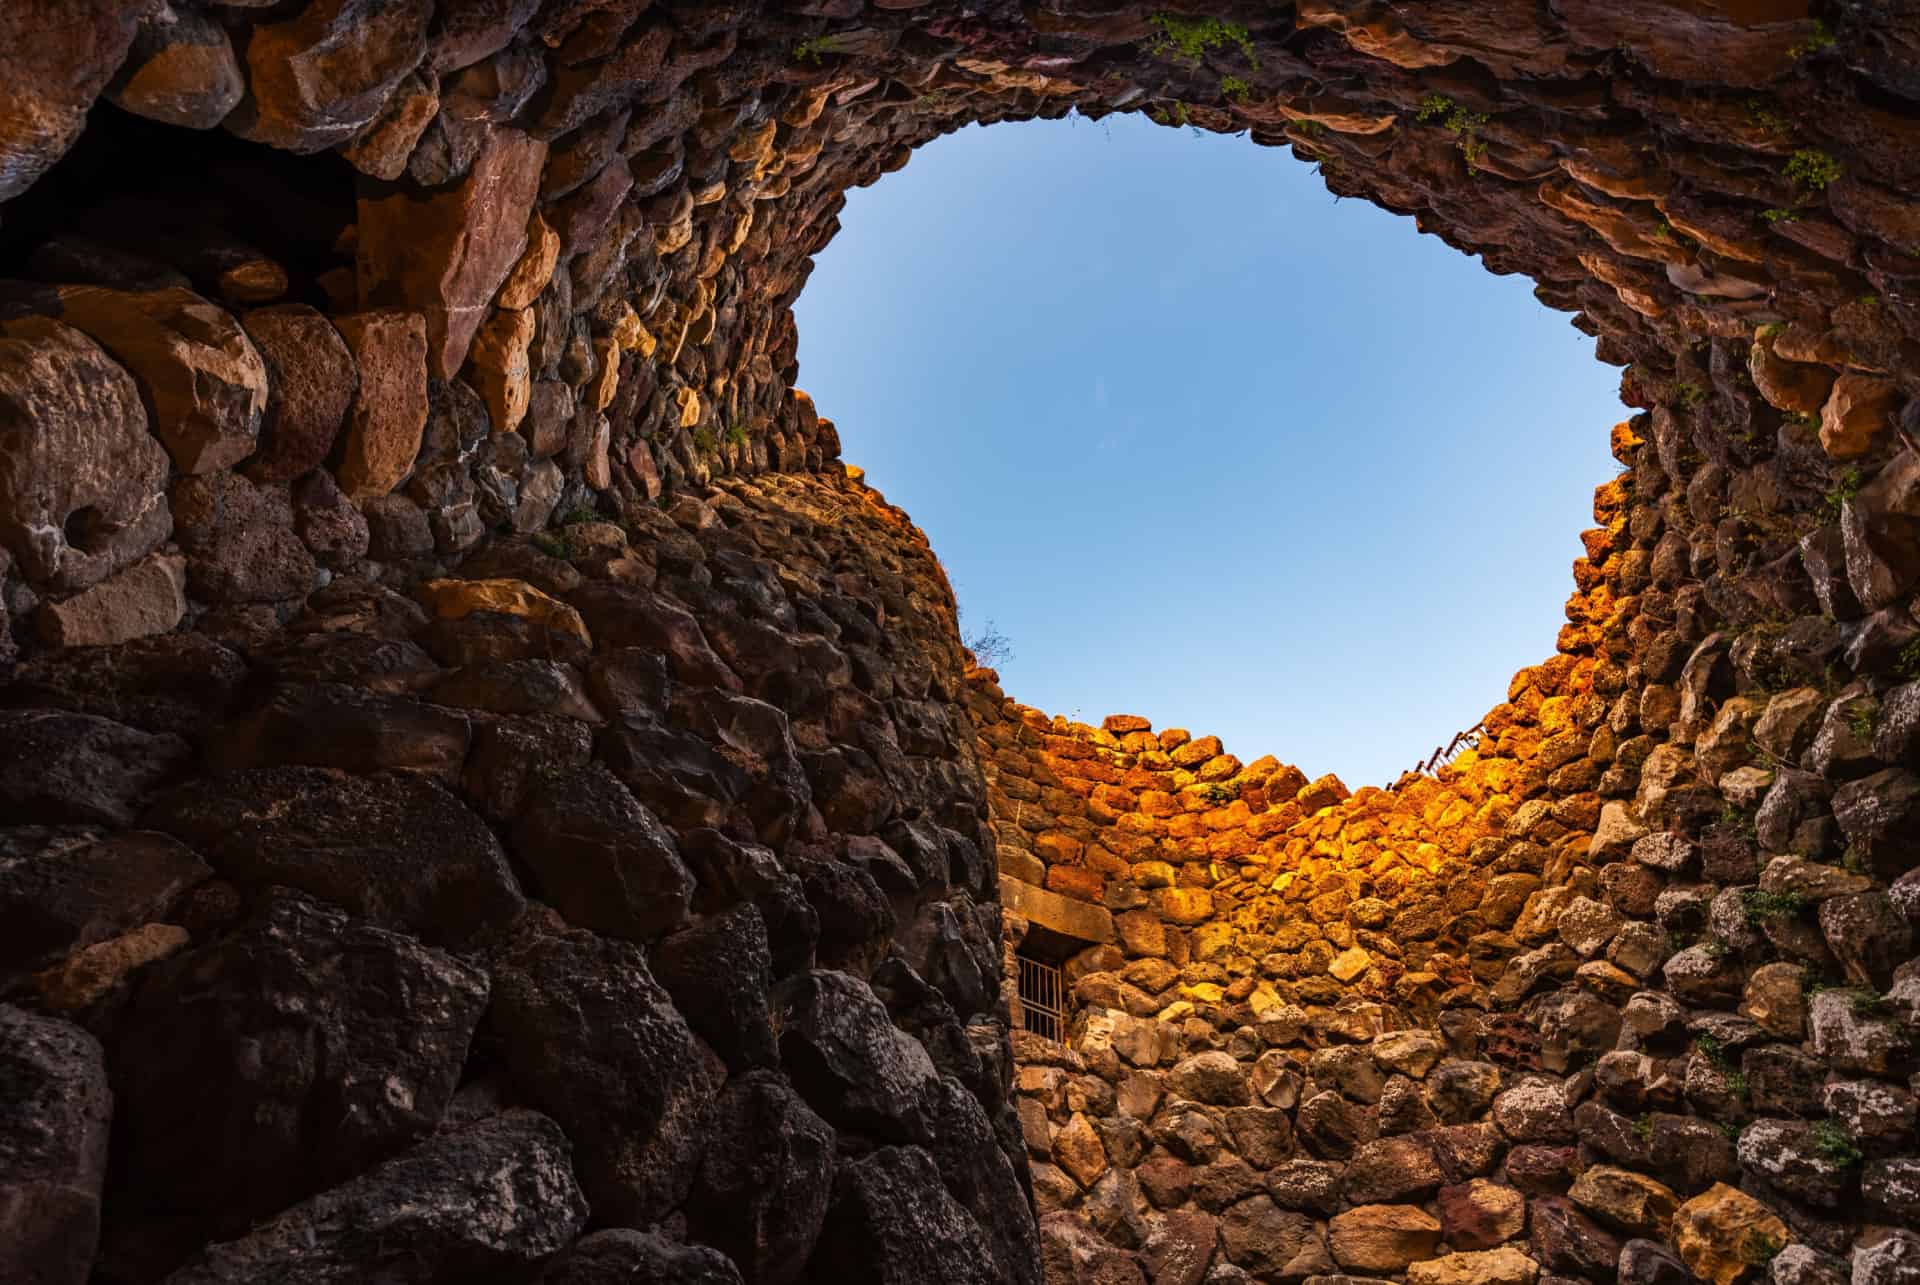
[(487, 795)]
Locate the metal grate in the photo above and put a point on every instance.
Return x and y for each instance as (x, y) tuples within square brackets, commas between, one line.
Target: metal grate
[(1042, 999), (1444, 754)]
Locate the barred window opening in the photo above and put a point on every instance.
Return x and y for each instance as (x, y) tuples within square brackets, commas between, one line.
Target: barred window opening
[(1042, 999)]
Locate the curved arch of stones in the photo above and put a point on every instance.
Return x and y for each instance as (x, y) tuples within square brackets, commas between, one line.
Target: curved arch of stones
[(485, 793)]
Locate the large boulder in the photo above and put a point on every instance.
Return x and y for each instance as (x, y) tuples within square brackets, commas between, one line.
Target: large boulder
[(55, 58), (63, 890), (57, 767), (388, 414), (313, 379), (850, 1062), (54, 1112), (300, 1050), (341, 726), (490, 1201), (398, 850), (198, 372), (147, 598), (445, 255), (622, 1256), (719, 971), (591, 1038), (766, 1172), (181, 70), (182, 683), (240, 540), (1275, 1242), (323, 73), (892, 1222), (82, 481), (602, 859)]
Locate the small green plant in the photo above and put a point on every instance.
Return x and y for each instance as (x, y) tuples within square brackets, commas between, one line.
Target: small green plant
[(1194, 38), (1776, 215), (1907, 664), (1862, 717), (1217, 795), (553, 544), (1235, 89), (1766, 117), (1763, 906), (1687, 395), (1716, 949), (1812, 169), (704, 441), (1821, 39), (1465, 126), (813, 48), (1868, 1003), (1853, 861), (1308, 127), (1734, 822), (1759, 1248), (1643, 1128), (1772, 330), (582, 512), (1176, 115), (1844, 488), (1736, 1085), (1832, 1141), (737, 434)]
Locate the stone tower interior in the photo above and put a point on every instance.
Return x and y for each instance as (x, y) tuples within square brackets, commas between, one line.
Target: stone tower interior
[(487, 795)]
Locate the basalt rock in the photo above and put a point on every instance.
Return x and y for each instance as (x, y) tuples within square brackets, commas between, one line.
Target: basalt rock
[(305, 1045), (508, 562), (54, 1118), (495, 1198), (592, 1039)]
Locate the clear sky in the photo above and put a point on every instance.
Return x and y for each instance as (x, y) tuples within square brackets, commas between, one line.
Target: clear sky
[(1208, 445)]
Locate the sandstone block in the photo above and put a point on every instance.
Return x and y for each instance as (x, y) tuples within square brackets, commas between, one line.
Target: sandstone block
[(1717, 1233), (196, 368), (147, 598), (312, 378), (445, 256), (82, 481), (389, 409)]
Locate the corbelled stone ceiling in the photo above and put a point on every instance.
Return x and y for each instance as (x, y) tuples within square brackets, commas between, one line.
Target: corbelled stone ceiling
[(486, 794)]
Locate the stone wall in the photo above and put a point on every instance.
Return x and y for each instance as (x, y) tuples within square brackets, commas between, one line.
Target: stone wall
[(1622, 993), (337, 918), (486, 794)]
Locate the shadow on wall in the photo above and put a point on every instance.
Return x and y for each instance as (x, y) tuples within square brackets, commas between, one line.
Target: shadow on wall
[(484, 794)]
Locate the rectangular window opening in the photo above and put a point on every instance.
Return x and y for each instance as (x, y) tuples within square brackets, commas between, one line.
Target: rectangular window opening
[(1043, 994)]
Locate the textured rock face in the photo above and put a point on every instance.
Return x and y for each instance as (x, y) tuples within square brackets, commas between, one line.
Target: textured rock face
[(82, 480), (53, 1147), (447, 675)]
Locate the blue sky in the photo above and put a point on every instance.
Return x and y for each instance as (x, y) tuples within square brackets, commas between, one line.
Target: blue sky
[(1206, 444)]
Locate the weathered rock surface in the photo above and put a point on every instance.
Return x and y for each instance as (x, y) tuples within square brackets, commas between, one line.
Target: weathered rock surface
[(592, 1039), (1501, 1021), (306, 1047), (82, 482), (398, 850), (494, 1199), (54, 1116), (199, 375)]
